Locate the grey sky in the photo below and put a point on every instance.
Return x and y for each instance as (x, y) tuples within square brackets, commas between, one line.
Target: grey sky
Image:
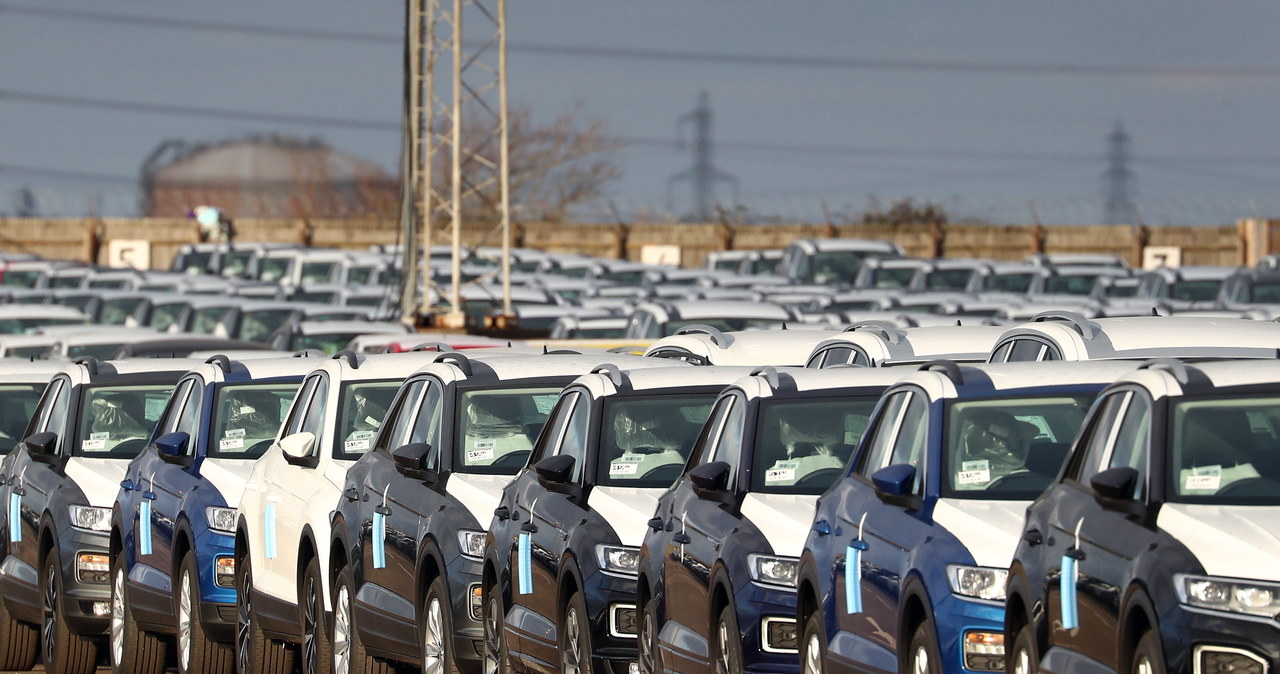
[(981, 106)]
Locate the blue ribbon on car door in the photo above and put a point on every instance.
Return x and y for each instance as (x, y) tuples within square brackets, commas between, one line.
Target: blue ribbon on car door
[(380, 532), (524, 555), (144, 527), (15, 518), (853, 571), (269, 531), (1067, 583)]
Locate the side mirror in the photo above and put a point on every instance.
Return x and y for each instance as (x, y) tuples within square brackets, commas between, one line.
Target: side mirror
[(709, 479), (173, 446), (1115, 484), (895, 480), (556, 469), (41, 446), (297, 449), (411, 457)]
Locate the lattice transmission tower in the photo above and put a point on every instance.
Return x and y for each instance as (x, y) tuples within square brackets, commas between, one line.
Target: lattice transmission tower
[(1118, 180)]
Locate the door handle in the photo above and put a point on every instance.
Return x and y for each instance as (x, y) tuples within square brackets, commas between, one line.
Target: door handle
[(656, 524), (682, 538), (822, 527), (351, 494), (1032, 537), (126, 485), (149, 495), (382, 510), (502, 513)]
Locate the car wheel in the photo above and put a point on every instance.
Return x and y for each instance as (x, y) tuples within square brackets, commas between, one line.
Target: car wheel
[(574, 635), (1023, 659), (65, 652), (922, 654), (255, 653), (727, 654), (19, 641), (317, 644), (197, 654), (349, 656), (132, 650), (435, 630), (497, 659), (1147, 658), (647, 646), (813, 653)]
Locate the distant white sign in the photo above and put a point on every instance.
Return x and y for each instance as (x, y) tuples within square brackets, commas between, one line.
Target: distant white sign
[(1161, 256), (134, 253), (652, 253)]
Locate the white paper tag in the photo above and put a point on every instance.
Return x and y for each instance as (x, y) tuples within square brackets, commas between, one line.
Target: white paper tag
[(100, 436), (376, 423), (234, 433), (245, 409), (231, 443), (1204, 478), (974, 472), (783, 472), (356, 445), (93, 444), (485, 444), (478, 455), (621, 467), (361, 435)]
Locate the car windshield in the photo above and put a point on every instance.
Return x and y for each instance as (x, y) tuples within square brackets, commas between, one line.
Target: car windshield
[(1008, 283), (803, 444), (1117, 290), (329, 342), (497, 428), (32, 352), (600, 333), (317, 272), (360, 275), (256, 326), (17, 404), (1265, 293), (102, 351), (893, 278), (724, 324), (1008, 448), (644, 442), (1225, 451), (66, 282), (835, 266), (1074, 284), (274, 268), (1195, 291), (118, 311), (363, 407), (25, 326), (196, 262), (20, 279), (165, 315), (206, 320), (116, 421), (948, 279), (234, 262), (246, 418)]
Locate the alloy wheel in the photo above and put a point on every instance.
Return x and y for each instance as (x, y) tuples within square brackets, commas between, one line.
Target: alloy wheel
[(243, 616), (310, 625), (184, 624), (722, 656), (812, 655), (342, 631), (573, 642), (50, 613), (433, 637), (117, 618), (920, 661), (491, 634)]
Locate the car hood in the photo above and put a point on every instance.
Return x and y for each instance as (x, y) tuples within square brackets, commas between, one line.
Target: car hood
[(626, 509), (989, 529), (228, 476), (99, 479), (784, 519), (477, 493), (1232, 541)]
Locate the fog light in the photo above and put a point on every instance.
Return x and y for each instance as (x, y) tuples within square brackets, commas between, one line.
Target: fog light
[(92, 568), (477, 601), (984, 651), (224, 571), (1216, 659), (622, 621), (633, 668), (780, 635), (101, 608)]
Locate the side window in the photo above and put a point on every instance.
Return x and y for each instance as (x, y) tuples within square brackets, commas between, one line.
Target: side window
[(876, 448), (549, 439), (1001, 354), (313, 422), (711, 430), (53, 416), (1094, 447), (406, 410), (1050, 353), (728, 447), (1133, 441), (184, 416), (860, 357), (574, 440), (913, 433), (1025, 350), (300, 402), (426, 423)]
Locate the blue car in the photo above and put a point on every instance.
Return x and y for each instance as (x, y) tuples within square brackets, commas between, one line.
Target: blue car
[(173, 524), (905, 563)]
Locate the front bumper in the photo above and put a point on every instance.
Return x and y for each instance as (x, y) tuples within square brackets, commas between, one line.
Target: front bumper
[(217, 591), (86, 593), (767, 621), (464, 577), (954, 618), (611, 608), (1197, 641)]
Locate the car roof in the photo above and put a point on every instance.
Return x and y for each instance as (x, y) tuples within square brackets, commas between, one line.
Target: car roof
[(1163, 377), (745, 347), (493, 365), (985, 379), (1150, 336), (891, 343), (21, 370), (39, 311), (801, 381), (282, 365), (603, 382)]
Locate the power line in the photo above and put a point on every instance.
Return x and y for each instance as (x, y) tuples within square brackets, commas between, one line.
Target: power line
[(686, 56)]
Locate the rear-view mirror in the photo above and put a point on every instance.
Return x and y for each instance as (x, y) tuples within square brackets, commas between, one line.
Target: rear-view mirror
[(895, 480), (173, 446), (41, 446), (297, 449)]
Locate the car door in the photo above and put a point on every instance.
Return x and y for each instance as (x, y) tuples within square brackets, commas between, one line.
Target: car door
[(163, 483), (28, 493)]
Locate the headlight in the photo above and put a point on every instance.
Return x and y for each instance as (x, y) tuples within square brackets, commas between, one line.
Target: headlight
[(91, 518), (221, 520), (1235, 596), (774, 570), (622, 559), (977, 581), (471, 543)]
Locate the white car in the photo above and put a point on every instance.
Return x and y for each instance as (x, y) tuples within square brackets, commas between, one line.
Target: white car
[(1064, 335), (877, 343)]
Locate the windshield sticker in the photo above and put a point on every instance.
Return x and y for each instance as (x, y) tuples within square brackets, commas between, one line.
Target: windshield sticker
[(623, 467), (93, 444), (103, 435), (357, 444), (376, 423), (974, 472), (231, 443), (234, 433), (1204, 478), (245, 409), (783, 472), (154, 406), (479, 455)]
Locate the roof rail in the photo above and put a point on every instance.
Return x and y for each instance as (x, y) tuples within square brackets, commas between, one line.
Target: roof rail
[(349, 356), (770, 375), (89, 362), (947, 367), (1174, 367), (459, 359), (615, 374), (221, 361), (1078, 321), (717, 337), (432, 346), (889, 331)]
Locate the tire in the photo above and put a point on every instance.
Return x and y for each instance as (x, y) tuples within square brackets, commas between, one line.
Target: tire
[(435, 630), (573, 636), (922, 655), (19, 641), (813, 645), (726, 656), (254, 652), (197, 654), (649, 650), (497, 656), (1147, 658), (132, 650), (64, 651), (316, 654), (1024, 658), (349, 656)]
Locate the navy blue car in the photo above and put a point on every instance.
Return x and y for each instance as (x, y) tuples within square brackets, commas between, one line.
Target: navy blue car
[(904, 565), (173, 524)]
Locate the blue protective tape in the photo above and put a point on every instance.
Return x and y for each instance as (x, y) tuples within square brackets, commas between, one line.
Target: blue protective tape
[(15, 518), (379, 541), (269, 531), (1067, 585), (144, 527), (523, 563), (853, 577)]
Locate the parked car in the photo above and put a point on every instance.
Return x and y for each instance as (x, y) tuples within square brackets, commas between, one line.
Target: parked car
[(903, 568), (22, 319), (705, 345), (877, 343), (831, 260), (92, 418), (174, 519), (1066, 335), (1155, 549), (653, 320), (21, 384), (717, 568), (615, 441)]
